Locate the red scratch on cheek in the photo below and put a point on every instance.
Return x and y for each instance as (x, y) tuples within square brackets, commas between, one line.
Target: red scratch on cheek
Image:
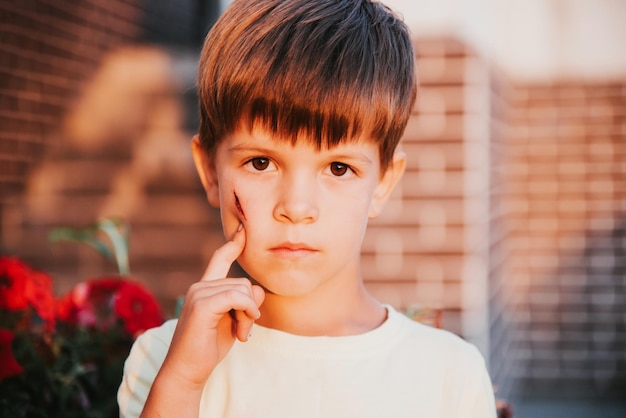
[(238, 206)]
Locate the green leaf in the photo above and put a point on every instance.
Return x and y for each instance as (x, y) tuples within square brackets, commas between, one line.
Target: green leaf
[(86, 236), (118, 234), (116, 230)]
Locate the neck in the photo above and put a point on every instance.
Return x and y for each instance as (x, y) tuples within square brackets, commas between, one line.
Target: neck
[(347, 311)]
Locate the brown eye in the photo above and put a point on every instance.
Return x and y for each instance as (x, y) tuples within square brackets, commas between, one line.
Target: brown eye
[(260, 164), (338, 169)]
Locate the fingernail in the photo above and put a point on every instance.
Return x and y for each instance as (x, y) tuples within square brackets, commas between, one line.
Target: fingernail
[(240, 227)]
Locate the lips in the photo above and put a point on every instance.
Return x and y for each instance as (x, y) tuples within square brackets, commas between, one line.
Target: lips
[(293, 250)]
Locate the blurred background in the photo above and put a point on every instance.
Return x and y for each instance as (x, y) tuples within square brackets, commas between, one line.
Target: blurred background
[(510, 219)]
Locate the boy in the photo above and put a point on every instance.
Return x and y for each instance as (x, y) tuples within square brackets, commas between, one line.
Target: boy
[(302, 106)]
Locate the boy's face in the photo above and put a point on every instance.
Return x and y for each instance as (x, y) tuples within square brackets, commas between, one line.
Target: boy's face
[(304, 210)]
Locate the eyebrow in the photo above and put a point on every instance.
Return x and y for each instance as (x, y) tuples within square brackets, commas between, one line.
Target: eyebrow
[(356, 156), (248, 148), (266, 151)]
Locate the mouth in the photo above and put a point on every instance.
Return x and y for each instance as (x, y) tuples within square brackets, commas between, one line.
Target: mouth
[(293, 250)]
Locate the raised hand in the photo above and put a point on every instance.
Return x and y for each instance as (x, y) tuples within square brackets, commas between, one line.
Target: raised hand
[(217, 310)]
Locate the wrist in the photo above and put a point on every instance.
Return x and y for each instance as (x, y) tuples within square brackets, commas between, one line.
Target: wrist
[(172, 396), (173, 378)]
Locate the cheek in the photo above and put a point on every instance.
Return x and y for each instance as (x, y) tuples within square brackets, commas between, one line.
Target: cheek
[(228, 208), (238, 206), (253, 209), (353, 201), (245, 202)]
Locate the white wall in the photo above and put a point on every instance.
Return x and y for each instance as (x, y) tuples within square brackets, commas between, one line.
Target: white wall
[(531, 39)]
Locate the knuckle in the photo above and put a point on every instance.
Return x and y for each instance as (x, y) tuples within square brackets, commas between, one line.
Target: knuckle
[(242, 281), (232, 293), (193, 289)]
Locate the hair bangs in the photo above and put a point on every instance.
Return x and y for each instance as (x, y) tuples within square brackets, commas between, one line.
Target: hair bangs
[(321, 126), (324, 71)]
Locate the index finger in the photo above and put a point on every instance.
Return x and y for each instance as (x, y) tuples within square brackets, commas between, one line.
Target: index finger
[(225, 256)]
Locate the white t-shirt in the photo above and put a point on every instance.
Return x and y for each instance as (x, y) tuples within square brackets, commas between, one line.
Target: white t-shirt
[(400, 369)]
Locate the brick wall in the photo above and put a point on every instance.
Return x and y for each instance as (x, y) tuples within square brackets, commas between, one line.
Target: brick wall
[(563, 197), (504, 364), (47, 49), (76, 107), (427, 248), (124, 153)]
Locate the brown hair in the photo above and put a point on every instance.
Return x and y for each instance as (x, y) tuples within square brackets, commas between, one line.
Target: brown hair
[(333, 70)]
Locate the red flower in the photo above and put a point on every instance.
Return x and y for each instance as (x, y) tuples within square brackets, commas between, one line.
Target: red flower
[(101, 303), (137, 308), (13, 283), (65, 308), (90, 304), (8, 364), (21, 288)]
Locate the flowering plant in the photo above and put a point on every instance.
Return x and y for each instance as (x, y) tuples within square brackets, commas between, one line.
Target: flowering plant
[(64, 357)]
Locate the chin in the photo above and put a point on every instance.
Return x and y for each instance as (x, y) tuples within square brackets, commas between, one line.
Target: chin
[(285, 283)]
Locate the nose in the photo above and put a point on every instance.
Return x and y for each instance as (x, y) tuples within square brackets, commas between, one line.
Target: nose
[(297, 201)]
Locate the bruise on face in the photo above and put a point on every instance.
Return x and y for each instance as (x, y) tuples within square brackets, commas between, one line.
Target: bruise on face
[(238, 206)]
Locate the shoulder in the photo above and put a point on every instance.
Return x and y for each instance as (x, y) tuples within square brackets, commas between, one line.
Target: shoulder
[(161, 334), (153, 344), (437, 343), (452, 364)]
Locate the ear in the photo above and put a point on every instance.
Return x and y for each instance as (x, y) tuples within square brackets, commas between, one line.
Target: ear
[(387, 183), (205, 166)]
